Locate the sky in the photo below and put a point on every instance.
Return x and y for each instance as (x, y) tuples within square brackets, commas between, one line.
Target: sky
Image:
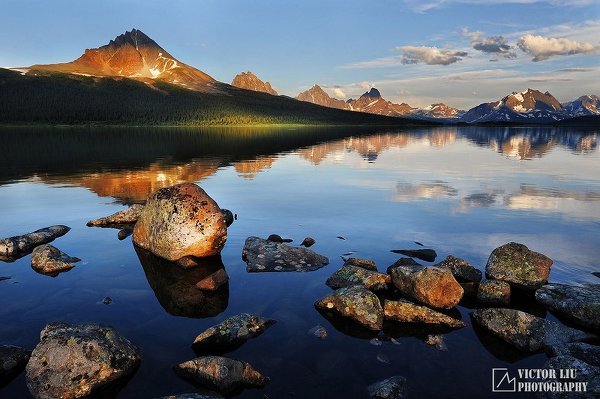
[(460, 52)]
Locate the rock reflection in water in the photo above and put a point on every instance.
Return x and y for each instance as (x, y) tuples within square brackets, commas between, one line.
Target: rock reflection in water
[(175, 287)]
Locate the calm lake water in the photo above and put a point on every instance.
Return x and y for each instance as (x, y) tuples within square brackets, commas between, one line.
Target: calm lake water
[(461, 191)]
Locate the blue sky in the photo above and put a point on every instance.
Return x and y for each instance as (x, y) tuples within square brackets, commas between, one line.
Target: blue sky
[(418, 52)]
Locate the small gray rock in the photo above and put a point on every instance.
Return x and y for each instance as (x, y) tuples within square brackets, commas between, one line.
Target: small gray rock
[(233, 331), (269, 256), (49, 260)]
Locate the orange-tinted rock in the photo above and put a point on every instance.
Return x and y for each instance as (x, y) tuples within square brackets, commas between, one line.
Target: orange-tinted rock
[(432, 286)]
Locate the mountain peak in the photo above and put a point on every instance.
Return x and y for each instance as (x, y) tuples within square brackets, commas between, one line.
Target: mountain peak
[(373, 93), (249, 81), (135, 37)]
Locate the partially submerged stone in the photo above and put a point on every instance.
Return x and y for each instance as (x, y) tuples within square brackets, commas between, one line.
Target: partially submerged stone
[(74, 361), (269, 256), (432, 286), (318, 331), (390, 388), (585, 373), (47, 259), (462, 270), (493, 293), (15, 247), (402, 262), (348, 276), (220, 373), (437, 341), (12, 361), (127, 216), (579, 350), (308, 242), (408, 312), (580, 305), (364, 263), (356, 303), (278, 238), (518, 265), (524, 331), (428, 255), (182, 220), (233, 331), (228, 215), (124, 233)]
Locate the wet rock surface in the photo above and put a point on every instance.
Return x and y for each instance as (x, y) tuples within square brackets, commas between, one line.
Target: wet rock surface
[(348, 276), (408, 312), (585, 373), (579, 350), (278, 238), (356, 303), (228, 215), (13, 248), (524, 331), (179, 221), (364, 263), (47, 259), (432, 286), (580, 305), (127, 216), (308, 242), (73, 361), (390, 388), (12, 361), (220, 373), (462, 270), (124, 233), (269, 256), (428, 255), (233, 331), (518, 265), (493, 293)]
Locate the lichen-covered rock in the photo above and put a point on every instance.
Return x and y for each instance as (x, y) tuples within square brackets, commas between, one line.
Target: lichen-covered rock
[(47, 259), (269, 256), (220, 373), (432, 286), (127, 216), (524, 331), (213, 281), (390, 388), (12, 361), (493, 293), (364, 263), (581, 305), (348, 276), (462, 270), (356, 303), (408, 312), (15, 247), (73, 361), (518, 265), (579, 350), (180, 221), (428, 255), (233, 331), (584, 373)]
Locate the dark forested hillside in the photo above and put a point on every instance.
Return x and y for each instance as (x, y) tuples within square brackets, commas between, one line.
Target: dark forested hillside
[(58, 98)]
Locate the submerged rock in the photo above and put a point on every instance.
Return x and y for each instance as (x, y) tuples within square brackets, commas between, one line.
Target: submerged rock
[(408, 312), (47, 259), (390, 388), (580, 305), (494, 293), (220, 373), (433, 286), (523, 330), (2, 278), (228, 215), (277, 238), (586, 373), (233, 331), (269, 256), (518, 265), (462, 270), (181, 221), (318, 331), (12, 361), (348, 276), (364, 263), (73, 361), (428, 255), (15, 247), (437, 341), (308, 242), (579, 350), (356, 303), (124, 217)]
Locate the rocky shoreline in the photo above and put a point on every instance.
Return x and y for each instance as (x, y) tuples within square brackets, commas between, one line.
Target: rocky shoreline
[(178, 236)]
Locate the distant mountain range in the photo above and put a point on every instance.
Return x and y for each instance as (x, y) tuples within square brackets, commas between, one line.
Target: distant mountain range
[(65, 95)]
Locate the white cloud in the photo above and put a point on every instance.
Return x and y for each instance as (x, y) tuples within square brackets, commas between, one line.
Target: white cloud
[(542, 48), (429, 55), (497, 45), (337, 92)]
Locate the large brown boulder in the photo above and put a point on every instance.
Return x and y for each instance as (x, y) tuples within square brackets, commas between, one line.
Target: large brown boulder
[(433, 286), (519, 266), (181, 221)]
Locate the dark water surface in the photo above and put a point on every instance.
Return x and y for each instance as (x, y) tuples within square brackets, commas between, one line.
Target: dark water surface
[(461, 191)]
